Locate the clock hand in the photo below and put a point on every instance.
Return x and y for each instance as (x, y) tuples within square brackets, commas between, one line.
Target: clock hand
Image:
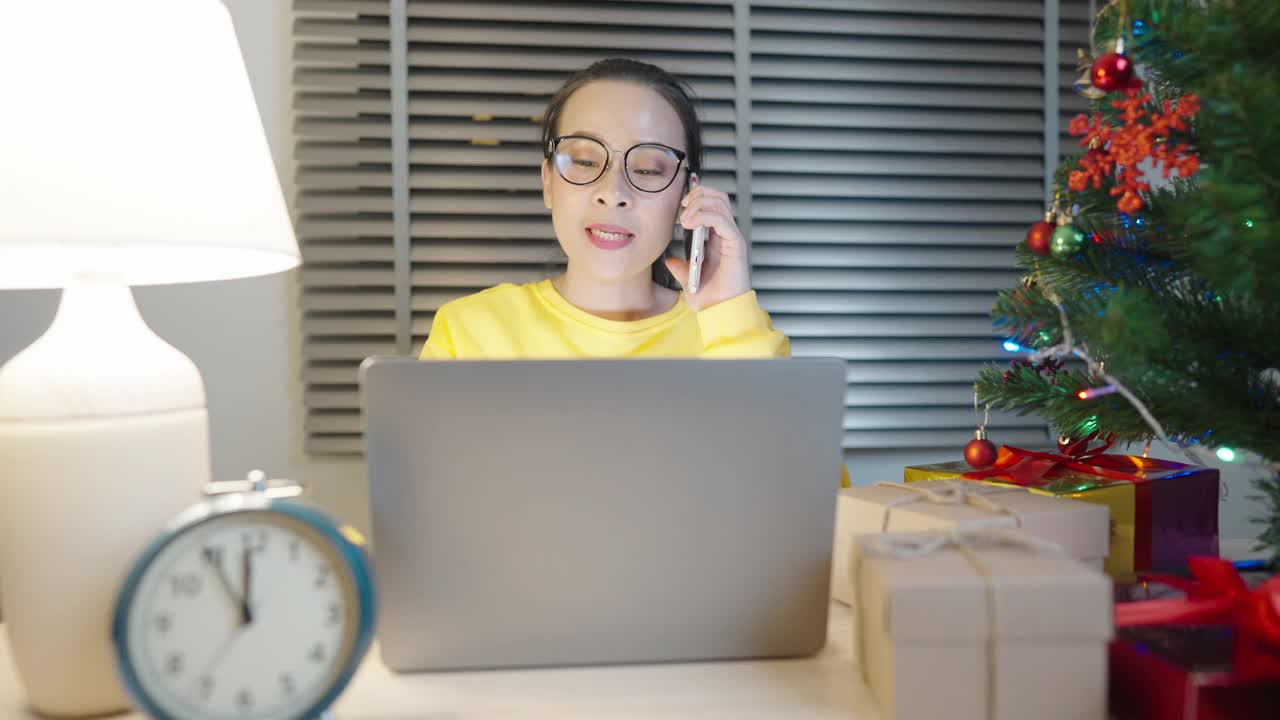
[(213, 557), (218, 654), (246, 580)]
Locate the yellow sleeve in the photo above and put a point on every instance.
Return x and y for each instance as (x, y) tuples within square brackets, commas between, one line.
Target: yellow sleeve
[(439, 342), (740, 328)]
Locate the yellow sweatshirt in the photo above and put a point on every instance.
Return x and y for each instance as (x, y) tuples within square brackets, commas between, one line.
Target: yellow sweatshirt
[(535, 321)]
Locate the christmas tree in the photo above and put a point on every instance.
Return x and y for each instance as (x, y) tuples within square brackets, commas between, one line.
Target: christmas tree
[(1150, 307)]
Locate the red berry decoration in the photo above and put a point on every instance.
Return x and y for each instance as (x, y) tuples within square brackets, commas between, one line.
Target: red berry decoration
[(1039, 237), (980, 453), (1111, 72)]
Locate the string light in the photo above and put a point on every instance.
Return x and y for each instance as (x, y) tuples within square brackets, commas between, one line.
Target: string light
[(1248, 223), (1068, 348), (1013, 347), (1091, 393)]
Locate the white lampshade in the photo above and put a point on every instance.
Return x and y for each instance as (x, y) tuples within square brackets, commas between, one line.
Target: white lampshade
[(130, 143)]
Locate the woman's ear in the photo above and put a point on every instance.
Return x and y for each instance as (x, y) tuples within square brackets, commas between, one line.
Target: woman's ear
[(546, 185)]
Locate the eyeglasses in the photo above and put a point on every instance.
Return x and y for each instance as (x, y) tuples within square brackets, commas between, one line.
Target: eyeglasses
[(581, 160)]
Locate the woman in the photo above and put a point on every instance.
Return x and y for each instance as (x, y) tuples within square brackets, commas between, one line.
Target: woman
[(622, 145)]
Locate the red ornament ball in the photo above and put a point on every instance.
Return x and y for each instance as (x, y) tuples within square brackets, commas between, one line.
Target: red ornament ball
[(980, 453), (1039, 237), (1111, 72)]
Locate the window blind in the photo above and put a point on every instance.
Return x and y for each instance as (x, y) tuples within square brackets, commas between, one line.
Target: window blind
[(342, 207), (480, 76), (893, 150), (897, 158)]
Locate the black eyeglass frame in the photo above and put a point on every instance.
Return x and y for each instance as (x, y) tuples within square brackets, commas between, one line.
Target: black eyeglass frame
[(554, 142)]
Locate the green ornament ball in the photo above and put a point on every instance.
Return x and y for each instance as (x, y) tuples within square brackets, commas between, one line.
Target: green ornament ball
[(1067, 241)]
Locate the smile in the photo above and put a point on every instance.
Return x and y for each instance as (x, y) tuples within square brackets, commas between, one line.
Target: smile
[(608, 239)]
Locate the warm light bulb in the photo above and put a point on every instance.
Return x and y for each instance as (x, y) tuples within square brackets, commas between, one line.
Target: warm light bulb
[(1090, 393)]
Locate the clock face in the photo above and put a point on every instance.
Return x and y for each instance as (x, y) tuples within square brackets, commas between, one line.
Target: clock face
[(245, 615)]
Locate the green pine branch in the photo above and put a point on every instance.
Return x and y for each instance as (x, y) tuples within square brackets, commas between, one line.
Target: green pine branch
[(1269, 501)]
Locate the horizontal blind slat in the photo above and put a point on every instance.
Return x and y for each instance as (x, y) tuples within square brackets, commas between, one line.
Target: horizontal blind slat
[(772, 278), (880, 256), (900, 349), (895, 438), (895, 119), (812, 325), (890, 210), (895, 231), (927, 417), (844, 302), (616, 41), (670, 14), (905, 141)]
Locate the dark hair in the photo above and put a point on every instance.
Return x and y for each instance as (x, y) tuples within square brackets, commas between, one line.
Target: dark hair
[(676, 91)]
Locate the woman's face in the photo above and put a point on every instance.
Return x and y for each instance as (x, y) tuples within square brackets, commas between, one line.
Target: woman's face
[(638, 225)]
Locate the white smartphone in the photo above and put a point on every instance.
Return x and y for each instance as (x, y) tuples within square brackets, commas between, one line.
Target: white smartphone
[(697, 249)]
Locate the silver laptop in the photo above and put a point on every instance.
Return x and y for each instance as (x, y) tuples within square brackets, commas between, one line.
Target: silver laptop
[(564, 512)]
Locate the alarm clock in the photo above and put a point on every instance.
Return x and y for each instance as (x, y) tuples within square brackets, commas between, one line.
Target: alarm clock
[(247, 606)]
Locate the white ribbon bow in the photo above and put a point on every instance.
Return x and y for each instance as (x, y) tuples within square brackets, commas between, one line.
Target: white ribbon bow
[(950, 492), (969, 536)]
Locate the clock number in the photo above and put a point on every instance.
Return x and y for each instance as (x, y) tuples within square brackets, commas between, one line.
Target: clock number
[(188, 584), (244, 700), (317, 653), (287, 684), (255, 541), (335, 614), (173, 664), (163, 623), (293, 551), (322, 575), (206, 687)]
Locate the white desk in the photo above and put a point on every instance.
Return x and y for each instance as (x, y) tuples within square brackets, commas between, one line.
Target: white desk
[(824, 686)]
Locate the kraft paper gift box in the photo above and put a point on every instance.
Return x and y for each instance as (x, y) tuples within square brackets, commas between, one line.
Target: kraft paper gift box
[(1082, 529), (980, 625), (1162, 512)]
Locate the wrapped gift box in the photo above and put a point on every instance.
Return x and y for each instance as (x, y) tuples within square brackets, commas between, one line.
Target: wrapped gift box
[(1082, 529), (1162, 512), (1205, 647), (984, 625), (1183, 672)]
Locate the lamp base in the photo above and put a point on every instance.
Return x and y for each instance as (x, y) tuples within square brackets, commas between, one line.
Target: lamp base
[(103, 439)]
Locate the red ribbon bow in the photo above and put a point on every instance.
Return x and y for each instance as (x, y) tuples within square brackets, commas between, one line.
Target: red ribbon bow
[(1035, 469), (1219, 596)]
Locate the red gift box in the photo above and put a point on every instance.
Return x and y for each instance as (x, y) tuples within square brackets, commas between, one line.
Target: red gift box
[(1176, 505), (1211, 655)]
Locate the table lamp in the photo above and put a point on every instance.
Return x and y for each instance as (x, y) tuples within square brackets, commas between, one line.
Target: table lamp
[(131, 153)]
